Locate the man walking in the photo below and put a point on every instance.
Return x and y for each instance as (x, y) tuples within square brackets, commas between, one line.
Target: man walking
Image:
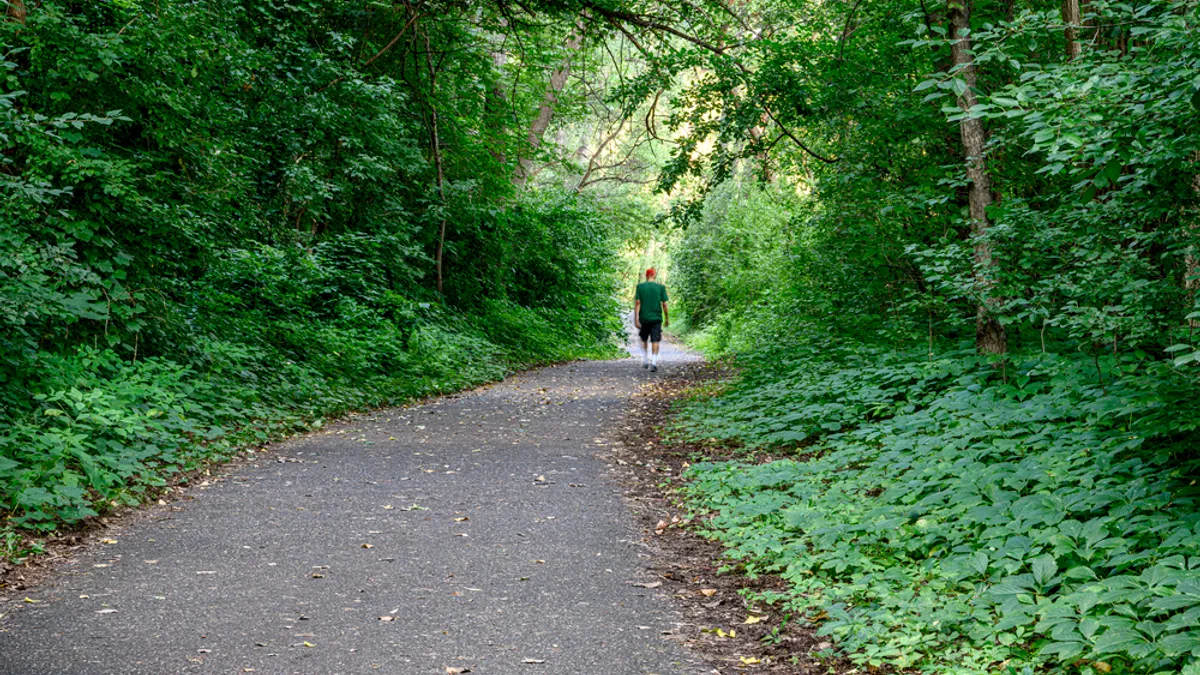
[(649, 317)]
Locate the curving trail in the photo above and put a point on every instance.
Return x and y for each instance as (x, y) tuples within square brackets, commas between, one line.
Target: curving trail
[(480, 526)]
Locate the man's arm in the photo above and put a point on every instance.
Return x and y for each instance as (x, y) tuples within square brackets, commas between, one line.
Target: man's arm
[(666, 317), (637, 311)]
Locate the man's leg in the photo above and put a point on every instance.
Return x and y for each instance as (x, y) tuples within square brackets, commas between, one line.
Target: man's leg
[(645, 353), (655, 337)]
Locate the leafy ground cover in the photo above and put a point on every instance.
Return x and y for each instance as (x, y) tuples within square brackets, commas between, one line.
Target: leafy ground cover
[(953, 516)]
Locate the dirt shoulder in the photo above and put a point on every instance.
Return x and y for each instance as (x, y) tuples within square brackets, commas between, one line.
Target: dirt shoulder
[(690, 568)]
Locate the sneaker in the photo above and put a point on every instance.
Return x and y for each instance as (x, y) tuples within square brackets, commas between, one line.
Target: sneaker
[(645, 365), (654, 369)]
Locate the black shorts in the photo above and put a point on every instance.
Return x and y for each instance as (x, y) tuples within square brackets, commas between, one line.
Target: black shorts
[(651, 330)]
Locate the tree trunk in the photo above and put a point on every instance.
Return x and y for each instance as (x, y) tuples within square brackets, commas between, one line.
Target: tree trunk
[(15, 10), (1072, 18), (990, 337), (1191, 263), (497, 101), (558, 80), (436, 151)]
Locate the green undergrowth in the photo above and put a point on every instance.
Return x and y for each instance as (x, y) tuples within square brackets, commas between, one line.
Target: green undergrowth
[(102, 431), (950, 515)]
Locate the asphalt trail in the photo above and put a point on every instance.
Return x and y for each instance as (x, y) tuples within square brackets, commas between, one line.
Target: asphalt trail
[(481, 527)]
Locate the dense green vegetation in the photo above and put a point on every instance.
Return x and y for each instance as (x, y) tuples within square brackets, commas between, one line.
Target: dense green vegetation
[(225, 221), (953, 246), (965, 317)]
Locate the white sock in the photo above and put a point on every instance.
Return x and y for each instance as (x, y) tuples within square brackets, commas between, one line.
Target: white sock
[(645, 356), (654, 360)]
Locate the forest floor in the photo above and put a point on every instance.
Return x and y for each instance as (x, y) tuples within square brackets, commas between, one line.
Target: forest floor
[(734, 633), (485, 532)]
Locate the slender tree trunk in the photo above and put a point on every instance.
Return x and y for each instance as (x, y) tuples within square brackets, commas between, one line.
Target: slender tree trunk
[(990, 337), (436, 151), (558, 80), (1191, 266), (1072, 17), (497, 100)]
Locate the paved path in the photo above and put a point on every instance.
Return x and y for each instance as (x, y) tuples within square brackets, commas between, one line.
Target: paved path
[(479, 526)]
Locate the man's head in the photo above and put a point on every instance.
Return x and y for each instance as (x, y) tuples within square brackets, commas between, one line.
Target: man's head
[(650, 274)]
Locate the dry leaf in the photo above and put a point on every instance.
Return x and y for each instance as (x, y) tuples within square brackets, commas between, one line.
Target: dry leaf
[(462, 519), (368, 545), (749, 660), (649, 584), (106, 611), (533, 661), (753, 619), (308, 644), (456, 671), (108, 541), (387, 618), (708, 592)]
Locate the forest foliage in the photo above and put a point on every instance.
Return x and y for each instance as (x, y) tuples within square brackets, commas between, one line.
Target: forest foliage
[(952, 244), (953, 248), (225, 221)]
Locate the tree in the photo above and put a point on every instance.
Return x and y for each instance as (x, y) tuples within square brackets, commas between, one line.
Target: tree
[(990, 336)]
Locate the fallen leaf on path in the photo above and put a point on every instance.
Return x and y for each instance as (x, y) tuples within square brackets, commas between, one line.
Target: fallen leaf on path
[(753, 619), (661, 527), (368, 545), (106, 611), (533, 661), (749, 660), (456, 671), (108, 541), (308, 644), (30, 600), (462, 519), (387, 618), (708, 592), (649, 584)]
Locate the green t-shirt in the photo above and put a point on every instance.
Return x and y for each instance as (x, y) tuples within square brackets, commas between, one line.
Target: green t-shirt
[(652, 294)]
